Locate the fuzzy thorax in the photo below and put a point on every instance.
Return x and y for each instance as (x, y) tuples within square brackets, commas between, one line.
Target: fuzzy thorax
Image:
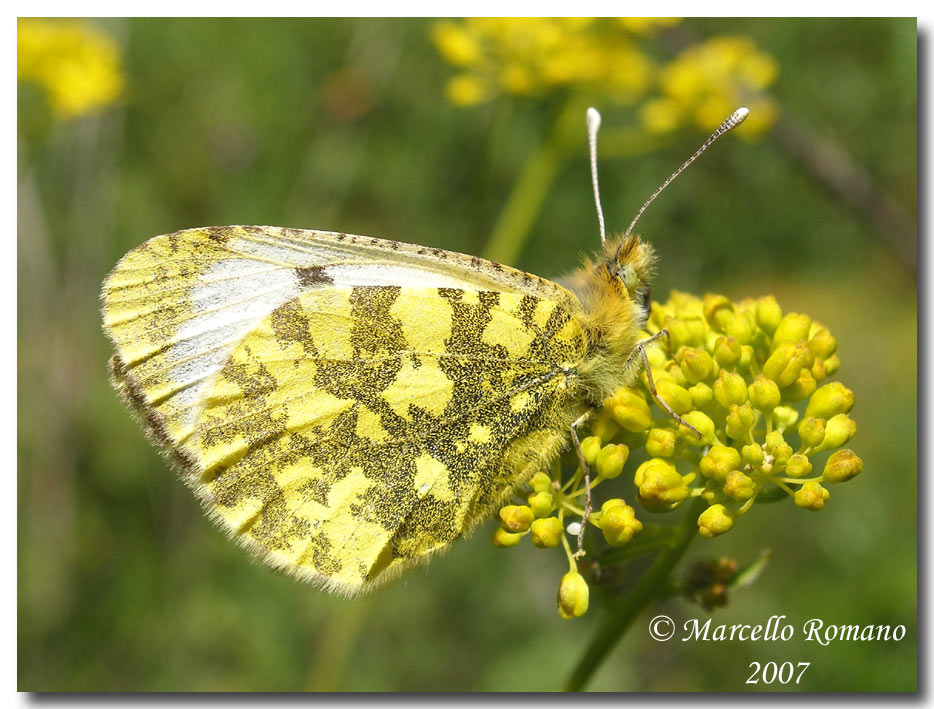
[(614, 293)]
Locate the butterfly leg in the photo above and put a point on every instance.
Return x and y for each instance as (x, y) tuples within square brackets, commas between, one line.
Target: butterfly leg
[(638, 350), (586, 468)]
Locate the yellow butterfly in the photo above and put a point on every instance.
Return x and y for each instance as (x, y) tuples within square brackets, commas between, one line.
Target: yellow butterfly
[(345, 406)]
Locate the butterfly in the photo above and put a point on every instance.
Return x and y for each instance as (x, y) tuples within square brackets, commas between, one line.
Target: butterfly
[(346, 406)]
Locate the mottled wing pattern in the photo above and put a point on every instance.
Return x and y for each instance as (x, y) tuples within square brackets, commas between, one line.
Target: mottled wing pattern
[(342, 405)]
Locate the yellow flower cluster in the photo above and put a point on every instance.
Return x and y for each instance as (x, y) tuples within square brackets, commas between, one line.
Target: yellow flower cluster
[(75, 62), (609, 58), (709, 80), (752, 382), (531, 56)]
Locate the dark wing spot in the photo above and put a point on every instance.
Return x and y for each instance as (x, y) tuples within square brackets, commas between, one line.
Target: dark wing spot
[(218, 234), (313, 277)]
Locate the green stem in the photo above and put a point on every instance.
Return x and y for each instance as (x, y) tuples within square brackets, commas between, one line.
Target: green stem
[(647, 589), (538, 174)]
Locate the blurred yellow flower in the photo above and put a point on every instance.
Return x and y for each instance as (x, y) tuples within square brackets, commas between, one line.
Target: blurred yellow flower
[(466, 90), (710, 79), (535, 55), (457, 44), (75, 62), (612, 58)]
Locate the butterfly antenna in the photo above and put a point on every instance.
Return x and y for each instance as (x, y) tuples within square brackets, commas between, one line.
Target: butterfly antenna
[(735, 118), (593, 125)]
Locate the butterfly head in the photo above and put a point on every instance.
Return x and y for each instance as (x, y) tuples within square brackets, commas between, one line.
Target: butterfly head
[(629, 266)]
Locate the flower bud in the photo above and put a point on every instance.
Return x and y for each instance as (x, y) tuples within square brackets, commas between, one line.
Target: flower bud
[(829, 400), (764, 394), (797, 466), (629, 409), (661, 442), (677, 397), (604, 427), (541, 503), (619, 524), (546, 532), (660, 485), (573, 596), (777, 448), (745, 358), (840, 429), (785, 364), (753, 455), (739, 327), (717, 309), (590, 447), (656, 352), (811, 431), (682, 333), (727, 351), (768, 313), (611, 459), (729, 389), (704, 426), (831, 364), (696, 364), (739, 486), (842, 466), (612, 502), (818, 370), (516, 518), (715, 520), (802, 387), (503, 539), (697, 327), (740, 420), (540, 482), (719, 462), (794, 327), (657, 315), (811, 496), (785, 416), (822, 344), (701, 395), (675, 374)]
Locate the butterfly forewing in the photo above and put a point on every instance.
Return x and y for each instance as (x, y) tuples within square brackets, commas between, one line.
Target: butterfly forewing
[(343, 405)]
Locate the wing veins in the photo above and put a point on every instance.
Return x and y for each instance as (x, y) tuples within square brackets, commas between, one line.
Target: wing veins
[(415, 438)]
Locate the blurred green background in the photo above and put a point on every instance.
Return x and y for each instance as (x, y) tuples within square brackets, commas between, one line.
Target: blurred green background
[(344, 125)]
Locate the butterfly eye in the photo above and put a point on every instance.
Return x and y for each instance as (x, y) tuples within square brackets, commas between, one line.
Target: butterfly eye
[(627, 274)]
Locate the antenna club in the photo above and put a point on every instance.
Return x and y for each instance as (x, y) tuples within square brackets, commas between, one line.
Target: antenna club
[(593, 119), (737, 117)]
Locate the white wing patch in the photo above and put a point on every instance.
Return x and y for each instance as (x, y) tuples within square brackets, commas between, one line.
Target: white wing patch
[(233, 298)]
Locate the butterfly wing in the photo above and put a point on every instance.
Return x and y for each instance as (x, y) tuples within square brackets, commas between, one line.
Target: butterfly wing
[(343, 406)]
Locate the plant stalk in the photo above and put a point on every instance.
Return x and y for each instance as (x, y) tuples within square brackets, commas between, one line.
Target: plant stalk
[(648, 588)]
